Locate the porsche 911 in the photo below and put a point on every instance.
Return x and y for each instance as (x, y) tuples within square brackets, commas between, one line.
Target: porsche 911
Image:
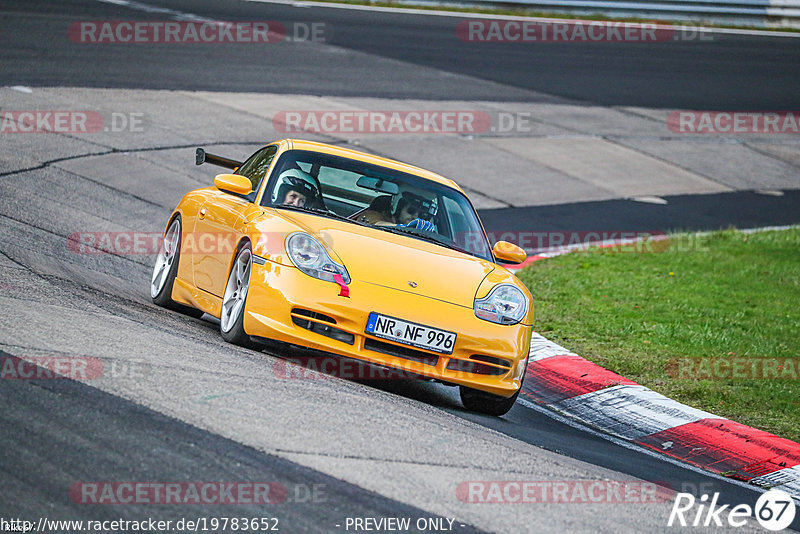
[(352, 255)]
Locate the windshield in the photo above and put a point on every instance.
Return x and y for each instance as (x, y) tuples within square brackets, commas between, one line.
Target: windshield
[(376, 196)]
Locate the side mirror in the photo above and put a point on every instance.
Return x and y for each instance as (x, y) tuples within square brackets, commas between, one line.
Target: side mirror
[(233, 183), (508, 252)]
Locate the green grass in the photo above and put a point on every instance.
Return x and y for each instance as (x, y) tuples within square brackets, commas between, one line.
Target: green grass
[(720, 295)]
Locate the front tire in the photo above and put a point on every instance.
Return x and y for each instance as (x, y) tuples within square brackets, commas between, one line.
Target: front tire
[(165, 270), (231, 318), (479, 401)]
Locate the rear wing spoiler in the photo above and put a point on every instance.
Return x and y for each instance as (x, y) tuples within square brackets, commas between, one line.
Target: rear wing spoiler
[(201, 156)]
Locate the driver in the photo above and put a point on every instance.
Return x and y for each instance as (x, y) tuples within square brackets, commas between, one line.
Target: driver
[(297, 188), (410, 206), (411, 210)]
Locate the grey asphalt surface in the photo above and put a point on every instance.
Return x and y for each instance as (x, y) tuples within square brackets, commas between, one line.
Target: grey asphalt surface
[(740, 209), (381, 54), (198, 409), (175, 403), (72, 433)]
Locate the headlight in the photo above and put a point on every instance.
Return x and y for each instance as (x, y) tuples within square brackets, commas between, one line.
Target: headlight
[(310, 256), (505, 304)]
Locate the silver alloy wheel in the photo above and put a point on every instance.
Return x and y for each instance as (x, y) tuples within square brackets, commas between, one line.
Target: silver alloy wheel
[(236, 290), (165, 258)]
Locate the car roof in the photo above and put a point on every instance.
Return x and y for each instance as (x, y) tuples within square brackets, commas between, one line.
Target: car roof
[(325, 148)]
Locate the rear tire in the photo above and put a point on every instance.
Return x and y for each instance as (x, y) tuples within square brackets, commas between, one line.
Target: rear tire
[(165, 270), (479, 401), (231, 317)]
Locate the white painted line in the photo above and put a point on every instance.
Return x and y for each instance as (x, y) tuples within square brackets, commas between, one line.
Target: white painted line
[(431, 12), (768, 229), (787, 480), (147, 8), (21, 88), (769, 192), (630, 411), (650, 199), (553, 252), (776, 478)]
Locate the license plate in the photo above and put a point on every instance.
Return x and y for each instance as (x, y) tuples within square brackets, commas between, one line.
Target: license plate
[(407, 333)]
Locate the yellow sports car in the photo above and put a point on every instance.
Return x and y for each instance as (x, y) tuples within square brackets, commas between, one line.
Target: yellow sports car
[(354, 255)]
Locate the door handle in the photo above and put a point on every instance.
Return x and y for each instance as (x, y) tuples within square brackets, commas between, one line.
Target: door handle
[(202, 213)]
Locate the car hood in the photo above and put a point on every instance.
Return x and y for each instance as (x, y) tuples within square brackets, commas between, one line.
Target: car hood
[(396, 261)]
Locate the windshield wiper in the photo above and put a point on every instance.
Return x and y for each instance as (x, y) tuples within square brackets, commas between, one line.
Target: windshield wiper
[(320, 211), (425, 237)]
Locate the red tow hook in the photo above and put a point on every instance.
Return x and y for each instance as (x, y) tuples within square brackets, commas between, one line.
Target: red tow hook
[(344, 291)]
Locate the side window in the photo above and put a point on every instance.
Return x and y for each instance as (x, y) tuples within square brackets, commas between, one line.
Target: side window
[(256, 167), (459, 228)]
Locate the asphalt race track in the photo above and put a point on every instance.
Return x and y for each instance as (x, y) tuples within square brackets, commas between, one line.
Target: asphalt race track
[(174, 403), (734, 72)]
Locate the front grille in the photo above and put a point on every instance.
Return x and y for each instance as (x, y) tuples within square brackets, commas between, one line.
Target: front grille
[(326, 330), (314, 315), (491, 359), (401, 352), (477, 366)]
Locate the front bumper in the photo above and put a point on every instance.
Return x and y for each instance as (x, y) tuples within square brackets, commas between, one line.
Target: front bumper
[(284, 304)]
